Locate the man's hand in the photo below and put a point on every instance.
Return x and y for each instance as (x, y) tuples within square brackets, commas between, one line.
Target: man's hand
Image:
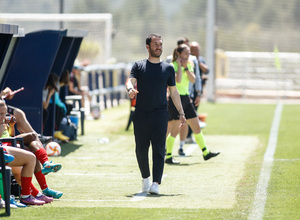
[(132, 93), (182, 119), (197, 100)]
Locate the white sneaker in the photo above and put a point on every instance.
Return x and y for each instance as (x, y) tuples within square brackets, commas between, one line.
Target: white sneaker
[(12, 206), (154, 189), (2, 205), (146, 185), (202, 124)]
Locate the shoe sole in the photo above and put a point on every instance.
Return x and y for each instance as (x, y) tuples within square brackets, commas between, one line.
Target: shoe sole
[(16, 204), (45, 199), (31, 203), (54, 169), (171, 162), (182, 154), (211, 156), (46, 202), (153, 193), (57, 197), (53, 196)]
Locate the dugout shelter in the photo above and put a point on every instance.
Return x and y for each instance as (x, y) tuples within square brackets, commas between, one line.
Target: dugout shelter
[(6, 34), (64, 60), (29, 66)]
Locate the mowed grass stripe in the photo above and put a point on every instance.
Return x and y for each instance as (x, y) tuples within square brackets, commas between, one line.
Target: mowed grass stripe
[(108, 195), (193, 184), (284, 192), (260, 199)]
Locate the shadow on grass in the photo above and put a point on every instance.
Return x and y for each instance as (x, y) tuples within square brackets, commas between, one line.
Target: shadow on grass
[(68, 148), (183, 164), (164, 195), (144, 194)]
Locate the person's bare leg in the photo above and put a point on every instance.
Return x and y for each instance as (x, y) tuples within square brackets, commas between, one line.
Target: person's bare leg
[(31, 140), (23, 125), (27, 160), (183, 134), (33, 143), (17, 174), (23, 158), (194, 124)]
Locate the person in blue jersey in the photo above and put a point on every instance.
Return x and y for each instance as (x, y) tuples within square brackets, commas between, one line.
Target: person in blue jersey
[(152, 76)]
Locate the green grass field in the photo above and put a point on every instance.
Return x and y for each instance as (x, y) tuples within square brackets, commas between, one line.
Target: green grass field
[(102, 180)]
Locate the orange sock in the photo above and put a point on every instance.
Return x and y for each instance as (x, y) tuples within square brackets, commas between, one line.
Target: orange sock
[(40, 177), (25, 185)]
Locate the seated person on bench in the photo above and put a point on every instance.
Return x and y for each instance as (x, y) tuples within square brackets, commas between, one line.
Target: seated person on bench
[(23, 125)]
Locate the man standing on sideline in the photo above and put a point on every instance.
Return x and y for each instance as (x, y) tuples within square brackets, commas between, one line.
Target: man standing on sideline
[(150, 119)]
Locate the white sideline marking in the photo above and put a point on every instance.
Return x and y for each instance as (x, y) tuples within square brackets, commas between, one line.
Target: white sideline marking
[(297, 159), (260, 198), (94, 174), (93, 200), (191, 149), (140, 196)]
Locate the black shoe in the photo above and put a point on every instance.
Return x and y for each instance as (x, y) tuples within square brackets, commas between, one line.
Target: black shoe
[(45, 139), (210, 155), (171, 160), (180, 152)]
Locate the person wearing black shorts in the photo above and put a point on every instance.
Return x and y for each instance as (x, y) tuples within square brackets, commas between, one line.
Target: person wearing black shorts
[(150, 118), (184, 74)]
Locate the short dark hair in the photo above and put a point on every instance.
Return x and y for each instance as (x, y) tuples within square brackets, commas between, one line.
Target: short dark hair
[(149, 38), (182, 40)]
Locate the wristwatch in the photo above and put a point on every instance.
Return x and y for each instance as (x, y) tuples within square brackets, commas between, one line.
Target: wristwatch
[(186, 69)]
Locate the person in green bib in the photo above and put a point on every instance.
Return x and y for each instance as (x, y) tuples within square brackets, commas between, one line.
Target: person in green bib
[(184, 73)]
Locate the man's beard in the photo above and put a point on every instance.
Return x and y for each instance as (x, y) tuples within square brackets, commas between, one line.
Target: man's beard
[(155, 54)]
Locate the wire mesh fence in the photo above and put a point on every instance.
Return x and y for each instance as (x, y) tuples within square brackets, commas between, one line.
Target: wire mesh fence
[(241, 26)]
